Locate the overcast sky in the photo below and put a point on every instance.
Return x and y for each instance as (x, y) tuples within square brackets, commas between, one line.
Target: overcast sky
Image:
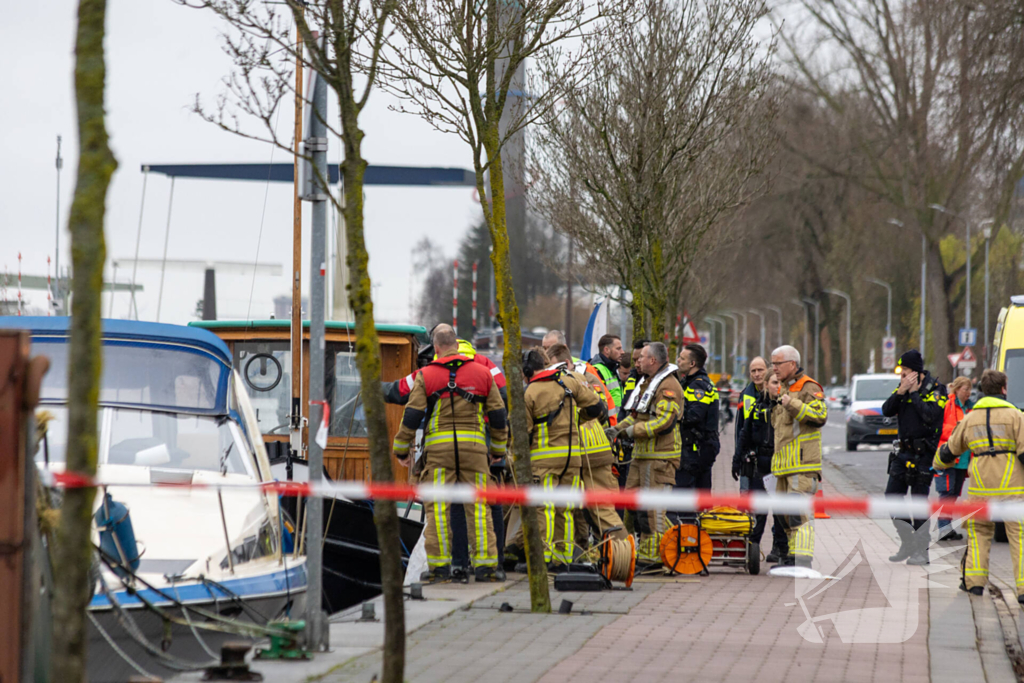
[(159, 55)]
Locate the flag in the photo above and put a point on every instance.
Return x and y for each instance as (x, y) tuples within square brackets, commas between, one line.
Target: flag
[(597, 327), (325, 423)]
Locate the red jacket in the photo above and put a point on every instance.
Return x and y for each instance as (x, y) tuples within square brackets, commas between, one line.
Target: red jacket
[(398, 390), (952, 415)]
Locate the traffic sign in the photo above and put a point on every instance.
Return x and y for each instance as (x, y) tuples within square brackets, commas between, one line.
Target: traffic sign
[(705, 338), (954, 359), (968, 361), (968, 336), (888, 353)]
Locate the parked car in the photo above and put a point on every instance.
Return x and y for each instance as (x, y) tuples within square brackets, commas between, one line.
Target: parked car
[(864, 420)]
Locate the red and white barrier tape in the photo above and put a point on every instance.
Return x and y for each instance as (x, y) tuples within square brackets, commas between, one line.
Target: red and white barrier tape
[(634, 499)]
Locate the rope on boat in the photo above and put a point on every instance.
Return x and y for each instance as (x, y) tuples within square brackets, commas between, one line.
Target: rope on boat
[(117, 648)]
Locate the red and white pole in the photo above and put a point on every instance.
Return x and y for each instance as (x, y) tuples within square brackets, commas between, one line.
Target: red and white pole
[(49, 297), (455, 295), (19, 283), (474, 297)]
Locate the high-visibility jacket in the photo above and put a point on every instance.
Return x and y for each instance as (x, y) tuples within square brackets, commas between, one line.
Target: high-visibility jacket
[(607, 369), (654, 433), (994, 433), (584, 368), (555, 402), (455, 427), (798, 427), (748, 399), (595, 446)]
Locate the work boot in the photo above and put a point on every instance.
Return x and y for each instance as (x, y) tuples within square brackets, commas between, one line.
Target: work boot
[(919, 544), (953, 535), (1020, 599), (976, 590), (460, 575), (786, 561), (514, 555), (776, 554), (906, 543), (521, 568), (802, 561), (437, 575), (489, 574)]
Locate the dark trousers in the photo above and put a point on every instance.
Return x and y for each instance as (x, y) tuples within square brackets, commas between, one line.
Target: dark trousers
[(779, 538), (689, 479), (460, 537), (949, 484), (900, 483)]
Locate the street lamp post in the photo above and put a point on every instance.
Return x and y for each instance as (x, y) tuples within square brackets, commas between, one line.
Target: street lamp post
[(967, 222), (849, 320), (735, 339), (986, 231), (778, 313), (888, 315), (807, 326), (760, 315), (924, 281), (817, 333), (721, 341)]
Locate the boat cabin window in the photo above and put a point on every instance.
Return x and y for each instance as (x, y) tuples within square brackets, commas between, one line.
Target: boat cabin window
[(187, 442), (136, 374), (347, 415), (266, 368), (53, 447)]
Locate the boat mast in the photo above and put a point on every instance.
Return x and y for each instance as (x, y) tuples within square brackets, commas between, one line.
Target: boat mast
[(295, 431)]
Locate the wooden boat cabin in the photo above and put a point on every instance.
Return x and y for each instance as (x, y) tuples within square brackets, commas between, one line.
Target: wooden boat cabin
[(261, 354)]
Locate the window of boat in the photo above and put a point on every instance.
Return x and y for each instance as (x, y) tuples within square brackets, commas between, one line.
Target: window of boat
[(266, 368), (875, 389), (174, 441), (342, 378), (53, 442), (141, 374), (1014, 369)]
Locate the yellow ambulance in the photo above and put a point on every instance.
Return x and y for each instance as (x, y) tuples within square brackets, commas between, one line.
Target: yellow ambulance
[(1008, 348)]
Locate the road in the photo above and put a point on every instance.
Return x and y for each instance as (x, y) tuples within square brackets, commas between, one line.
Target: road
[(866, 467)]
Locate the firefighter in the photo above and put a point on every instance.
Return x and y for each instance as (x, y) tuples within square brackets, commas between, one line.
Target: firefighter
[(994, 432), (699, 424), (583, 367), (596, 454), (609, 351), (919, 404), (556, 403), (453, 395), (629, 384), (797, 420), (652, 411)]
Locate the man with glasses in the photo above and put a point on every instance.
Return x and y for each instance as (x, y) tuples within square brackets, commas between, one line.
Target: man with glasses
[(796, 464)]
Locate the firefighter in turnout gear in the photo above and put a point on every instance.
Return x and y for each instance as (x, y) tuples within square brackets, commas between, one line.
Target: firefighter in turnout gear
[(454, 394), (797, 420), (698, 428), (596, 453), (556, 404), (994, 433), (919, 403), (653, 409)]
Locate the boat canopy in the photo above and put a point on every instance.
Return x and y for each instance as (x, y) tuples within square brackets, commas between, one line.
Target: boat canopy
[(145, 365)]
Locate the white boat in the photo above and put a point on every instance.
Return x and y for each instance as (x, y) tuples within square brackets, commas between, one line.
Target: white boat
[(207, 565)]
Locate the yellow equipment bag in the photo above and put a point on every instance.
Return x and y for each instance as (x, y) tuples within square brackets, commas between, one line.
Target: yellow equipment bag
[(726, 521)]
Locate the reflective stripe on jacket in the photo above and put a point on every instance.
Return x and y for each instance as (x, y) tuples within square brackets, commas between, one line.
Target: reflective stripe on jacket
[(798, 427), (994, 432)]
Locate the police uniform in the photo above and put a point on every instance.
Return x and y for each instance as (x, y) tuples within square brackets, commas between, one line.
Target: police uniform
[(608, 369), (994, 433), (556, 402), (752, 462), (920, 414), (596, 469), (453, 395), (654, 408), (796, 462), (698, 430), (748, 398)]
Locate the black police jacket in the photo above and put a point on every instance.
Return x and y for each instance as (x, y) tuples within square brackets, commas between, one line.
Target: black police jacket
[(758, 436), (748, 399), (920, 416), (699, 423)]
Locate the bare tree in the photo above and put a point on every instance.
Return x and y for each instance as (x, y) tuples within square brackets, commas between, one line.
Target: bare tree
[(458, 64), (671, 132), (96, 165), (941, 86), (343, 41)]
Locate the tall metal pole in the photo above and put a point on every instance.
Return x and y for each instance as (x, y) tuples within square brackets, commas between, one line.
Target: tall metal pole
[(295, 414), (56, 250), (924, 290), (760, 315), (167, 239), (986, 227), (455, 296), (849, 321), (778, 313), (317, 146), (568, 297), (888, 290), (735, 340), (721, 341), (132, 304)]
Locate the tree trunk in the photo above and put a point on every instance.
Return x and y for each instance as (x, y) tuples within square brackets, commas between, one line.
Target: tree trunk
[(96, 164), (639, 310), (385, 515), (508, 311), (940, 341)]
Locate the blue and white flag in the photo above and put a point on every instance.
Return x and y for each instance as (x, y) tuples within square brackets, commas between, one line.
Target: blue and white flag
[(597, 327)]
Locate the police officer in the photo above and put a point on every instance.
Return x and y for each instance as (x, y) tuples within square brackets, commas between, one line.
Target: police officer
[(452, 395), (653, 410), (797, 421), (919, 404), (606, 362), (699, 424), (750, 395), (994, 432), (556, 404)]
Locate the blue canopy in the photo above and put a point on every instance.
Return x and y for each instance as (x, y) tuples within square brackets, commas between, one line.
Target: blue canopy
[(147, 365)]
